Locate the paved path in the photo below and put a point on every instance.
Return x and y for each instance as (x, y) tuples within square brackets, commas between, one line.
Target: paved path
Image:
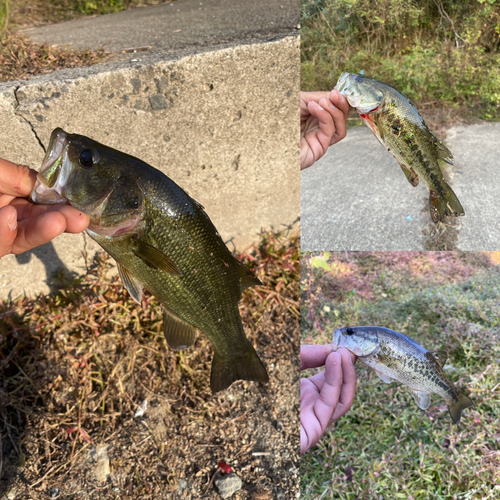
[(357, 197), (178, 25)]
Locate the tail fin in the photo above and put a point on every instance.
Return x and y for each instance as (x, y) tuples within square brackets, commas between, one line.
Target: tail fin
[(458, 406), (226, 369), (443, 205)]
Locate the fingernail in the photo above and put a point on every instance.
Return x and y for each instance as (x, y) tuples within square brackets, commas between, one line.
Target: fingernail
[(320, 107), (330, 103), (12, 222)]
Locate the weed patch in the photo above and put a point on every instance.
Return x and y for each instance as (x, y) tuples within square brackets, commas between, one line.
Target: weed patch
[(439, 54), (75, 368), (386, 446)]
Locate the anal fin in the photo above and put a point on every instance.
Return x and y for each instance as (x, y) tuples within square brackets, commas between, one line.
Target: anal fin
[(411, 175), (131, 284), (384, 377), (178, 334), (423, 399)]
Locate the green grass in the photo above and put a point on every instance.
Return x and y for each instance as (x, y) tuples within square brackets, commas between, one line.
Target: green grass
[(4, 14), (386, 447)]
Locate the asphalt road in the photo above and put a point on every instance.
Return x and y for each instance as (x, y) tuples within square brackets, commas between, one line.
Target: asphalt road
[(174, 26), (357, 198)]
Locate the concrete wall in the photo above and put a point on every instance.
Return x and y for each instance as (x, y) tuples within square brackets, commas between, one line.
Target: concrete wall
[(222, 123)]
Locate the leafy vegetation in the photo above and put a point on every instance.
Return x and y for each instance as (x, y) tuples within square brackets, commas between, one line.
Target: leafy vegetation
[(386, 447), (436, 53), (4, 14), (26, 12)]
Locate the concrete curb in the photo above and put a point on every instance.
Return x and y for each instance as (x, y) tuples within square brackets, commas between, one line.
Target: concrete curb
[(222, 123)]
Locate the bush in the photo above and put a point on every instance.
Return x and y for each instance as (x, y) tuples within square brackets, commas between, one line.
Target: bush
[(441, 51)]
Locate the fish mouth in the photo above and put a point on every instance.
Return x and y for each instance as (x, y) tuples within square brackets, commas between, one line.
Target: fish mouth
[(343, 82), (337, 336), (52, 175)]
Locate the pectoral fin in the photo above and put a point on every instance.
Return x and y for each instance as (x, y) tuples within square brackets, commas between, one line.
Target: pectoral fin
[(423, 399), (384, 377), (154, 257), (178, 334), (131, 284)]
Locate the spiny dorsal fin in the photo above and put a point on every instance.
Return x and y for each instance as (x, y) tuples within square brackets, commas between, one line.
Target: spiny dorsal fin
[(178, 334), (131, 284), (154, 257)]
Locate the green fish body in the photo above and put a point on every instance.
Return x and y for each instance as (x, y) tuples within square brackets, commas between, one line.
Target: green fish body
[(394, 356), (398, 126), (162, 241)]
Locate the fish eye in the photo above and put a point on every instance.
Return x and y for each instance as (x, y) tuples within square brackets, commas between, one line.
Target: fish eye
[(349, 331), (86, 158)]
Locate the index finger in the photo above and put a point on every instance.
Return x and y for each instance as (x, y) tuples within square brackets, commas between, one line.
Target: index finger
[(307, 97), (16, 180), (312, 356), (340, 102)]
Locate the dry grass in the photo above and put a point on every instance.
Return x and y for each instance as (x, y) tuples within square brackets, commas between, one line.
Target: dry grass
[(75, 367), (21, 59)]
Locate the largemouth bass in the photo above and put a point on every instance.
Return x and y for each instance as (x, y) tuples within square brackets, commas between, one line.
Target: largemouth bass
[(394, 356), (162, 241), (398, 126)]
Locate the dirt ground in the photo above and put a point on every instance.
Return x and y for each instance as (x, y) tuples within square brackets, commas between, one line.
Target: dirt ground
[(76, 367)]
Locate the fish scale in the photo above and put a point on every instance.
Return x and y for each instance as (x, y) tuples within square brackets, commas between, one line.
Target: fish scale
[(395, 356), (400, 128), (162, 241)]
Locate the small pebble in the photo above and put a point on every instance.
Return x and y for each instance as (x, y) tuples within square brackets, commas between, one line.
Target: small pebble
[(228, 485)]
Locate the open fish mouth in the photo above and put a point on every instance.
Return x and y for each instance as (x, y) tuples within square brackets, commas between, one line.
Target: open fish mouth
[(337, 336), (343, 82), (52, 176)]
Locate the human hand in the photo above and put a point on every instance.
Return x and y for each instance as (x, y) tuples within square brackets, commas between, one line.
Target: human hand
[(324, 397), (323, 119), (24, 225)]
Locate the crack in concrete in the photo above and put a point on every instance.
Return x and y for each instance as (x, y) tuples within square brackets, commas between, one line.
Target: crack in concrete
[(17, 113)]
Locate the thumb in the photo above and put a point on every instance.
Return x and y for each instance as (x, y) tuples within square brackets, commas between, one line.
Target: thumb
[(8, 229)]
